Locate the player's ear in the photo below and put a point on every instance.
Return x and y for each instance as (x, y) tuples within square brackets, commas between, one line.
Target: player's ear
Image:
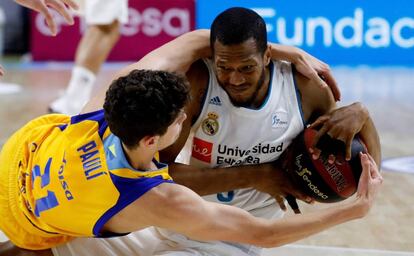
[(149, 141)]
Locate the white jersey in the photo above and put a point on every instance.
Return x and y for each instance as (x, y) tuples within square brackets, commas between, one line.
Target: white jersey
[(226, 136)]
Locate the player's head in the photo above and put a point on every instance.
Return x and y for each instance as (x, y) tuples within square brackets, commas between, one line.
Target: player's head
[(145, 104), (238, 39)]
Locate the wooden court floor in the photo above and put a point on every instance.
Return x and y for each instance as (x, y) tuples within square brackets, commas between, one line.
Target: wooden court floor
[(387, 92)]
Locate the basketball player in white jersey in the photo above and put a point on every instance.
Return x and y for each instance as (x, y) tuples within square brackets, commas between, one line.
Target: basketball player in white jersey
[(246, 109), (206, 180)]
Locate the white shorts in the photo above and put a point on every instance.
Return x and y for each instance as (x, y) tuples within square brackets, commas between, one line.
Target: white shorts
[(103, 12), (160, 242), (140, 243), (152, 242)]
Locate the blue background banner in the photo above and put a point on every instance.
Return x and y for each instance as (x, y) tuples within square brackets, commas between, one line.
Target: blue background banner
[(352, 32)]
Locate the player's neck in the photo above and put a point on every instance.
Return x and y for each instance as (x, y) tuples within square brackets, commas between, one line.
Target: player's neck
[(139, 158), (263, 90)]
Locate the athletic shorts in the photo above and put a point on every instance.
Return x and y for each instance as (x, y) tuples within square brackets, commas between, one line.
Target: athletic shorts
[(13, 222), (152, 242), (103, 12)]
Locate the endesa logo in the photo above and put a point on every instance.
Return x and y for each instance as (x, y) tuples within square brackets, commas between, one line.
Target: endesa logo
[(151, 22), (353, 30), (202, 150)]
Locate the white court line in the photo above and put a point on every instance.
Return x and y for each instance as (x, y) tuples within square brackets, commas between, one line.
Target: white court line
[(343, 249)]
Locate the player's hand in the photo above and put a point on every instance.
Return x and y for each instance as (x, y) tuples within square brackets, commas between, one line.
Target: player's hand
[(307, 65), (42, 6), (1, 71), (316, 70), (341, 124), (369, 183), (276, 183)]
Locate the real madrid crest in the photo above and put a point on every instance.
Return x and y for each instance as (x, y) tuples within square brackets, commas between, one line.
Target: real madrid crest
[(210, 125)]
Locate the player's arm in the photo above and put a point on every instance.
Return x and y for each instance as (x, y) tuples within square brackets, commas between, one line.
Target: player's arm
[(309, 66), (177, 208), (345, 122), (342, 123), (175, 56)]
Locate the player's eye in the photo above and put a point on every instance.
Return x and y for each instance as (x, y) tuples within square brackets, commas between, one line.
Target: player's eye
[(248, 68)]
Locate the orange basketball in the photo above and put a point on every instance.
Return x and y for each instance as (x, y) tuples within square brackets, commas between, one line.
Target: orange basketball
[(318, 178)]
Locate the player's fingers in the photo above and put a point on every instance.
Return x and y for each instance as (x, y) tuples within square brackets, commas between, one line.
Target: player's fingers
[(348, 148), (300, 195), (72, 4), (316, 153), (318, 122), (317, 79), (1, 71), (330, 80), (281, 202), (62, 10), (318, 135), (331, 159), (375, 172), (365, 175), (49, 18), (293, 203)]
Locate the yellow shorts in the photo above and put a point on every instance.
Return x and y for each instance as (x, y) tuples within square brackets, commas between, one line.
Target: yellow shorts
[(13, 222)]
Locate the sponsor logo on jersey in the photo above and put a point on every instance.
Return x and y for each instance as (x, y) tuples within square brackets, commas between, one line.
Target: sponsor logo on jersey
[(234, 156), (210, 125), (215, 101), (202, 150), (280, 120)]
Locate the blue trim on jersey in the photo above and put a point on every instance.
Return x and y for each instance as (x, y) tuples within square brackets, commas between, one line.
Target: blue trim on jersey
[(298, 95), (117, 160), (130, 190), (269, 90), (97, 116), (63, 127)]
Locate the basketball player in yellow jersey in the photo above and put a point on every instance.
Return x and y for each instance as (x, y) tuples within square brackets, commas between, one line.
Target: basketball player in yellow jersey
[(95, 174), (64, 176)]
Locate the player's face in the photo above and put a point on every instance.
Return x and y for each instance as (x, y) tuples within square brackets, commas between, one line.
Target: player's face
[(173, 131), (241, 71)]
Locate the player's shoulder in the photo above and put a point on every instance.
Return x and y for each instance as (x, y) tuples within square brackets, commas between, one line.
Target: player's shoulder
[(314, 98)]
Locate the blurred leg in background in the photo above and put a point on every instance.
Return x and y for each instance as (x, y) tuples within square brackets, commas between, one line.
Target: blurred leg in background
[(103, 18)]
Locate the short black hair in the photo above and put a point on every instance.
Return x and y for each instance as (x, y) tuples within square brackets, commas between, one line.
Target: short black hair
[(236, 25), (144, 103)]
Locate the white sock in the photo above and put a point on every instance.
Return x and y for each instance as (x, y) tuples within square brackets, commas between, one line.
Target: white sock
[(77, 93), (80, 84)]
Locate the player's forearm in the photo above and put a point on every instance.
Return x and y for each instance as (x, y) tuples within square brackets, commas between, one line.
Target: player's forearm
[(284, 52), (206, 181), (178, 54), (371, 139), (297, 227), (235, 225)]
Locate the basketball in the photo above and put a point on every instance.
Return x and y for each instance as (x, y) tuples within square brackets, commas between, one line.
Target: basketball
[(325, 182)]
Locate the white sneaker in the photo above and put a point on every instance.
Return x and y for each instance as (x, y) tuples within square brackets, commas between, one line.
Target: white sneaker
[(64, 105)]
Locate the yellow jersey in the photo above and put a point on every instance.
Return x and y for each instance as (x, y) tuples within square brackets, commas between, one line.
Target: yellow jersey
[(73, 176)]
